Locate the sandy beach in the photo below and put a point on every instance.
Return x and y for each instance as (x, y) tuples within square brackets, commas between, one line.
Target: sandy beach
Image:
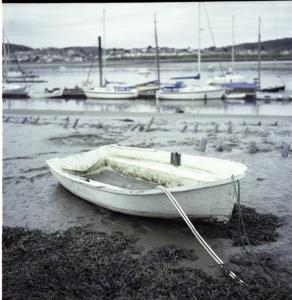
[(34, 200)]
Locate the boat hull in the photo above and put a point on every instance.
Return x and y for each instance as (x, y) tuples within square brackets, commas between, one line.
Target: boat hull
[(197, 95), (14, 90), (92, 94), (204, 186), (211, 204)]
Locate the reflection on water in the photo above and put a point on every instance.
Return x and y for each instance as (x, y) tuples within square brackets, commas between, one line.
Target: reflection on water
[(149, 106), (272, 73)]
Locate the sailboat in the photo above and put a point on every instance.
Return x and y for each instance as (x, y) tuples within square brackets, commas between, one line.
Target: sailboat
[(149, 89), (107, 89), (19, 75), (11, 89), (14, 90), (268, 93), (183, 91), (237, 86), (229, 76)]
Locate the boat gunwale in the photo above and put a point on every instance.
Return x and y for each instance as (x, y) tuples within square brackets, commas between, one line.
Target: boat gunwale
[(97, 185)]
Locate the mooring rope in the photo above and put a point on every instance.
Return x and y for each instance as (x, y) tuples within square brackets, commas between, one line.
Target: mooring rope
[(198, 236), (240, 220), (241, 225)]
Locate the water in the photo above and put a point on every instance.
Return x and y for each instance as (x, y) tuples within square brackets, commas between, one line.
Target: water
[(68, 77)]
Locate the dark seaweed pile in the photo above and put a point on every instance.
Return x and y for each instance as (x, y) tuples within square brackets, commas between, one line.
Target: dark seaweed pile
[(81, 264), (260, 228)]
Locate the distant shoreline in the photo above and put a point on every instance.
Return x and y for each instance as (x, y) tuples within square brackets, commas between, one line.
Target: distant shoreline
[(134, 61)]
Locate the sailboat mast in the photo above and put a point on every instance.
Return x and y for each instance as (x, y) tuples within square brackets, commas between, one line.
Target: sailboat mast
[(232, 53), (259, 55), (5, 73), (199, 39), (104, 49), (100, 61), (157, 51)]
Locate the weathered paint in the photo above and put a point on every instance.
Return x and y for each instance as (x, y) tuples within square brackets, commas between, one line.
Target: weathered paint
[(205, 193)]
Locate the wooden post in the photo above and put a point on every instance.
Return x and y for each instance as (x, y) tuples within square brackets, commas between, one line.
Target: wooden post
[(229, 128), (184, 128), (37, 119), (203, 145), (150, 123), (75, 123), (285, 150), (252, 148)]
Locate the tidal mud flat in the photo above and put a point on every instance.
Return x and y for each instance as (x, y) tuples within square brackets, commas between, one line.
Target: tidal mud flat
[(57, 222)]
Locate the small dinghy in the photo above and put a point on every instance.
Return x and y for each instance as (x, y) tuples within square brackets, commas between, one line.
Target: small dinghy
[(126, 180)]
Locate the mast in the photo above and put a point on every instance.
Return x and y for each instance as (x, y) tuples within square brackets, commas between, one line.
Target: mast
[(104, 49), (100, 61), (199, 40), (157, 51), (259, 55), (5, 73), (232, 53)]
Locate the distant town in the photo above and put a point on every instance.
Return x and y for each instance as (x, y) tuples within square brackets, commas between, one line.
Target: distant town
[(280, 49)]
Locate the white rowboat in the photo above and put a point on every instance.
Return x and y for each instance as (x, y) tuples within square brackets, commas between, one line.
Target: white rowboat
[(204, 186)]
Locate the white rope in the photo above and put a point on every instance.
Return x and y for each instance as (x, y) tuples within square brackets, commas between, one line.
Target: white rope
[(196, 233)]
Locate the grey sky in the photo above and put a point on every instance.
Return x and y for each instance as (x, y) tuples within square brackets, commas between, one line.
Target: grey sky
[(131, 24)]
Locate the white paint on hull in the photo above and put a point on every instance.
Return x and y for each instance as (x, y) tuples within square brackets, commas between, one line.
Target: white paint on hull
[(110, 93), (203, 193), (13, 89), (191, 94)]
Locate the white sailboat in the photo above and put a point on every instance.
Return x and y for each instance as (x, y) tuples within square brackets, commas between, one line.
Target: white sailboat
[(237, 86), (11, 89), (17, 75), (107, 89), (272, 92), (230, 76), (182, 90), (148, 89)]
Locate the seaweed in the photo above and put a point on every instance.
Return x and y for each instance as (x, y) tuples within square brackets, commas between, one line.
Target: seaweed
[(82, 264), (260, 228)]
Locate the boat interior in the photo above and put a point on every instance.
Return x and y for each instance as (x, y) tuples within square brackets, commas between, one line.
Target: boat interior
[(148, 168)]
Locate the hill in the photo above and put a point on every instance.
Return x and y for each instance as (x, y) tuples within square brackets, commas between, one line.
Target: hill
[(270, 45), (277, 45), (15, 47)]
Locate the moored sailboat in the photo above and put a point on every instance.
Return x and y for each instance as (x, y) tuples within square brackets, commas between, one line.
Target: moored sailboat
[(107, 89), (9, 89), (148, 89), (182, 89), (271, 92), (236, 85)]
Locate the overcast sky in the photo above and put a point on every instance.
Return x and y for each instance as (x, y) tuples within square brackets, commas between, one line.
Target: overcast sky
[(131, 25)]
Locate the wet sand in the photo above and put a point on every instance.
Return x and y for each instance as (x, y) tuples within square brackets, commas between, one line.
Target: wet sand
[(32, 198)]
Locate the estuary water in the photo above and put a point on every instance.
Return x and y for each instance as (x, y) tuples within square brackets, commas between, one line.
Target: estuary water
[(273, 73)]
